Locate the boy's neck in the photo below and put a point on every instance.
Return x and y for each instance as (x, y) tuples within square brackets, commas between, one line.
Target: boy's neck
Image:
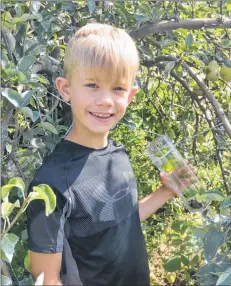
[(98, 141)]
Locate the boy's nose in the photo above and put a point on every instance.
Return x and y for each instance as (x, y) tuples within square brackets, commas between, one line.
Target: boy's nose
[(104, 99)]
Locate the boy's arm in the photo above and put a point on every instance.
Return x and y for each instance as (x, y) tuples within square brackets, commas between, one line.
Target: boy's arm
[(50, 264), (152, 202), (46, 236)]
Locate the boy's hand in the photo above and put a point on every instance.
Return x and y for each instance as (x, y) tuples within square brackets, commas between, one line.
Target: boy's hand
[(185, 178)]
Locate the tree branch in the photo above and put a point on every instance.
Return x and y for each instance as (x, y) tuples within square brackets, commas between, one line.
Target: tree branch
[(54, 105), (190, 24), (194, 144), (211, 125), (208, 94), (8, 113)]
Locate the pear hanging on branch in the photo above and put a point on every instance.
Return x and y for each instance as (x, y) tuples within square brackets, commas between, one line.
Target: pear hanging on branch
[(225, 73), (213, 71)]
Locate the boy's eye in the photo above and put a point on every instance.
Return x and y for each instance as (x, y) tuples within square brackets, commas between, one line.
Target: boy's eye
[(91, 85), (118, 88)]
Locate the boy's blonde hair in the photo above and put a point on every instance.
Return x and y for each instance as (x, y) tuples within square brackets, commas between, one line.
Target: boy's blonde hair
[(106, 52)]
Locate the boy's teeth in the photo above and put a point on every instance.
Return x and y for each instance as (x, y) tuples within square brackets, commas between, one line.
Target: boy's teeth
[(101, 115)]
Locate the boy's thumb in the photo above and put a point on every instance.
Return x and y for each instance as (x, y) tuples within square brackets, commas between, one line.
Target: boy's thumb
[(162, 174)]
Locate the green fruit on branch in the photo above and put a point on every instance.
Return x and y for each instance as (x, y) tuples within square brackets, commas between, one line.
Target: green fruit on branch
[(212, 71), (213, 76), (213, 65), (225, 73)]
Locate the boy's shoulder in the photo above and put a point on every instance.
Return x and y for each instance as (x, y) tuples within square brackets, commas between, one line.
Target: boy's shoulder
[(56, 165)]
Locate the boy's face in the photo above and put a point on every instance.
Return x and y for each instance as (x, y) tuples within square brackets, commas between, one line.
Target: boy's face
[(96, 105)]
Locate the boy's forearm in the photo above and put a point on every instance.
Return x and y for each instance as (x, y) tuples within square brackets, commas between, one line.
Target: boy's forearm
[(53, 282), (151, 203)]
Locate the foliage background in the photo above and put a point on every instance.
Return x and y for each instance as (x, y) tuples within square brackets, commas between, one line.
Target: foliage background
[(174, 98)]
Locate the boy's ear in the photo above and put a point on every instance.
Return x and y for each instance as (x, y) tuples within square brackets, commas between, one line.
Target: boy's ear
[(132, 93), (62, 85)]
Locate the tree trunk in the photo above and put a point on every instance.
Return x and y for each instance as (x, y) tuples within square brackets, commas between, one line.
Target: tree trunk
[(190, 24)]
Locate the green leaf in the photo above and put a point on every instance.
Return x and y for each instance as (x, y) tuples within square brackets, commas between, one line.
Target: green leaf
[(35, 49), (91, 6), (13, 96), (222, 267), (48, 126), (225, 278), (212, 244), (27, 263), (176, 226), (206, 269), (168, 43), (168, 68), (226, 202), (7, 208), (26, 96), (6, 281), (5, 191), (18, 182), (37, 143), (21, 32), (145, 7), (24, 235), (27, 112), (122, 14), (212, 196), (184, 228), (3, 56), (45, 24), (42, 79), (189, 40), (21, 77), (228, 5), (14, 182), (6, 18), (25, 63), (45, 193), (184, 260), (23, 18), (208, 280), (141, 18), (194, 260), (27, 281), (199, 232), (35, 5), (9, 39), (39, 78), (8, 244), (173, 264)]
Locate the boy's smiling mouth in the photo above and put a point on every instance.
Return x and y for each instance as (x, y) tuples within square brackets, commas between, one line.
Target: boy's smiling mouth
[(101, 115)]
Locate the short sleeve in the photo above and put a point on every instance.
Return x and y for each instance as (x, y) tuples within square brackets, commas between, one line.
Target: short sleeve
[(46, 233)]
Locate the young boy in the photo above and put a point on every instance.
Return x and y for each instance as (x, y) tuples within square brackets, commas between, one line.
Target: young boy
[(94, 235)]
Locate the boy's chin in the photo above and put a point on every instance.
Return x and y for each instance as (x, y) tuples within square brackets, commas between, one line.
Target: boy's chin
[(100, 131)]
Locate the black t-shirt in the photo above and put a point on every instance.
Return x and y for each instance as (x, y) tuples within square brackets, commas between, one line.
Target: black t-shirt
[(96, 221)]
